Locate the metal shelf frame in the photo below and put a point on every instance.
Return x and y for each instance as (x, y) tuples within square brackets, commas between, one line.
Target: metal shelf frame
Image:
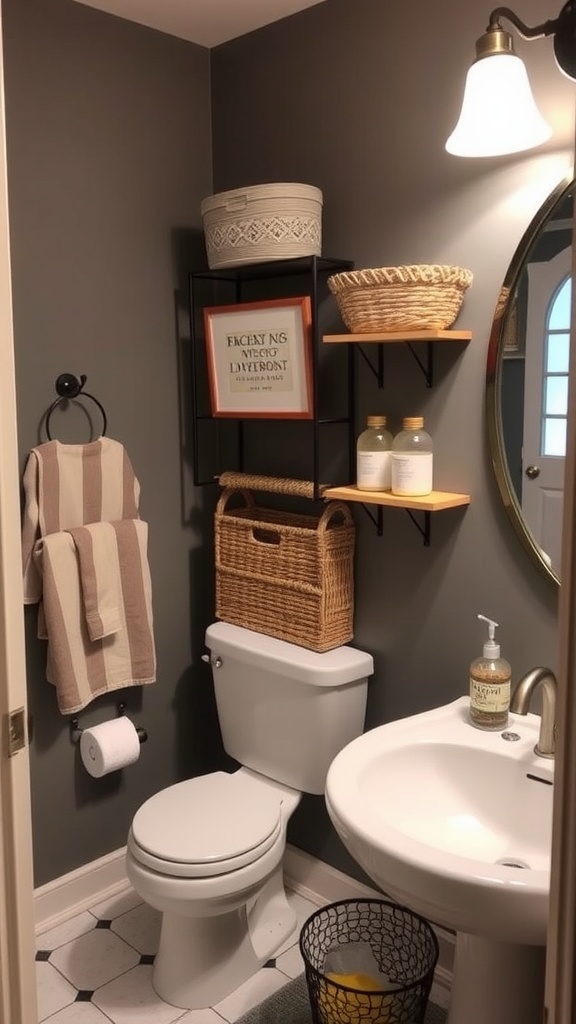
[(312, 271)]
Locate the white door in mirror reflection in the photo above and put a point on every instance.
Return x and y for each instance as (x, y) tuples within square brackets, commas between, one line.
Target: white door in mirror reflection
[(546, 400)]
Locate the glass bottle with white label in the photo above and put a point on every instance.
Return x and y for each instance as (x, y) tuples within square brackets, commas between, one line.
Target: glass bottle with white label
[(373, 450), (412, 459)]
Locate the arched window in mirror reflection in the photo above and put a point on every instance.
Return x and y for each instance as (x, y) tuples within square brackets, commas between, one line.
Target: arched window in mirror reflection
[(556, 360)]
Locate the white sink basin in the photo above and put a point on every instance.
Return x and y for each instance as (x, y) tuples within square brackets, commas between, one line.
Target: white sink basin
[(453, 821)]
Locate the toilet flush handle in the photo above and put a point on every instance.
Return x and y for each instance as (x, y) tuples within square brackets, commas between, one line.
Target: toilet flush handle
[(215, 662)]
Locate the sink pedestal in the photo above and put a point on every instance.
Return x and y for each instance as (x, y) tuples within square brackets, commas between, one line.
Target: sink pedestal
[(497, 982)]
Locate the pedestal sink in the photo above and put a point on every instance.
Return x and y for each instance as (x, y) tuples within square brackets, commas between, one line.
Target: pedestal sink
[(456, 823)]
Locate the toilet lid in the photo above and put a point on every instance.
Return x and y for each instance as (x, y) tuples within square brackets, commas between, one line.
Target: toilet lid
[(207, 825)]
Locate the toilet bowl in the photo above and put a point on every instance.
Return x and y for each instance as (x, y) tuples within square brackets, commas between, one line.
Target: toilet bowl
[(208, 852)]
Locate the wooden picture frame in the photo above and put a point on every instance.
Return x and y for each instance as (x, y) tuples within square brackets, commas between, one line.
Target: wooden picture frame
[(259, 357)]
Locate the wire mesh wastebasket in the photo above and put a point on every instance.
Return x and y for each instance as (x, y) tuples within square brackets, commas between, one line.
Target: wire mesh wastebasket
[(392, 986)]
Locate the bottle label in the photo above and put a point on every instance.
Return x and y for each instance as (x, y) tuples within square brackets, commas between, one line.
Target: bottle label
[(412, 472), (490, 697), (373, 471)]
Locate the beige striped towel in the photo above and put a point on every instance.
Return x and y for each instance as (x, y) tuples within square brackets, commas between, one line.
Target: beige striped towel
[(100, 577), (80, 668), (70, 485)]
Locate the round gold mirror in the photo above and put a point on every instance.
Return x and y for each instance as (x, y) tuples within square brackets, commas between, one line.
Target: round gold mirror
[(527, 380)]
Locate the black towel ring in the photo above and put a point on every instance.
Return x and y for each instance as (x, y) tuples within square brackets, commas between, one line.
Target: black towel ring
[(68, 387)]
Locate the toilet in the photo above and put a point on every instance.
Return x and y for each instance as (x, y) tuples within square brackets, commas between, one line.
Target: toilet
[(208, 852)]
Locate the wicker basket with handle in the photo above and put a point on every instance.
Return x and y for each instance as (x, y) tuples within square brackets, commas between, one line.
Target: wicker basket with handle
[(425, 296), (284, 574)]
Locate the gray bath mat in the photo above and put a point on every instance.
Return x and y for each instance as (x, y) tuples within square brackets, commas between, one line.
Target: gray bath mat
[(290, 1005)]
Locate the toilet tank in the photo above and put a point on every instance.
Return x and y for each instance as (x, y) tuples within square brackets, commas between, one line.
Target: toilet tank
[(285, 711)]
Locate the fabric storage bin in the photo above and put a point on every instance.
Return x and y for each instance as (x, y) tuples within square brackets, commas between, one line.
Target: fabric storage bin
[(285, 574), (262, 222)]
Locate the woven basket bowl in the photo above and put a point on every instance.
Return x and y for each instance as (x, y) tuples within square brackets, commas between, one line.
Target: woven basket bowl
[(426, 296)]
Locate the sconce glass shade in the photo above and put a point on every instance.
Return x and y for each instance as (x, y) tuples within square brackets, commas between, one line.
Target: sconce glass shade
[(499, 114)]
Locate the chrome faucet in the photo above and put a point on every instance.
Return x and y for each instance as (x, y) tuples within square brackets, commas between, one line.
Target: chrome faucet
[(520, 702)]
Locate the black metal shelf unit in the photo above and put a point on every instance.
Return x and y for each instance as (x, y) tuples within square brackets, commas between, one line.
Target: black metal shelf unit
[(302, 275)]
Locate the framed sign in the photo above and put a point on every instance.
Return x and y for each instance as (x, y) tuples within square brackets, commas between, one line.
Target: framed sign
[(260, 358)]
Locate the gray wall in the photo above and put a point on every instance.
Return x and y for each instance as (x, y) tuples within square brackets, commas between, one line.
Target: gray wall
[(110, 151), (358, 98), (109, 146)]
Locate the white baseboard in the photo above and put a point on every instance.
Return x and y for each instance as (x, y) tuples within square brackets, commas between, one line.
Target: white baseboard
[(320, 883), (63, 898)]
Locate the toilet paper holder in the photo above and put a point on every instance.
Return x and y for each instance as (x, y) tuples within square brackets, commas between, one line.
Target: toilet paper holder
[(76, 729)]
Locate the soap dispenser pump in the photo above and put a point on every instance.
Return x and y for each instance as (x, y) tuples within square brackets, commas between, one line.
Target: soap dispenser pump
[(490, 684)]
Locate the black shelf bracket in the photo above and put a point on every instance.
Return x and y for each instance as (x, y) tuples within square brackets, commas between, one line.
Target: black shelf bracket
[(425, 529), (426, 366), (377, 519), (377, 370)]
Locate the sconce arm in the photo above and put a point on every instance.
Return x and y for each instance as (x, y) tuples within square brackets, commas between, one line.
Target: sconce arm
[(548, 28)]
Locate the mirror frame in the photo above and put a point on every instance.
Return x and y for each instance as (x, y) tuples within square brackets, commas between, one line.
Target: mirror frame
[(494, 364)]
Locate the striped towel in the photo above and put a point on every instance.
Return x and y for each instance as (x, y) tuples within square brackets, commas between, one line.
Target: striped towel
[(70, 485), (100, 574), (96, 579)]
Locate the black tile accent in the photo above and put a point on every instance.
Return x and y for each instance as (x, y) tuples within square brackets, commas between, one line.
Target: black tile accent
[(270, 963), (84, 996), (43, 954), (103, 924), (147, 958)]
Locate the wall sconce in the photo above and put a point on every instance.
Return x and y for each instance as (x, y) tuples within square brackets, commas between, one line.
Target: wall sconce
[(499, 114)]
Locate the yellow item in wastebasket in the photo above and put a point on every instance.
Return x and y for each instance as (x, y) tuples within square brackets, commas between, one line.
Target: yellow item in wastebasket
[(355, 1007), (364, 982)]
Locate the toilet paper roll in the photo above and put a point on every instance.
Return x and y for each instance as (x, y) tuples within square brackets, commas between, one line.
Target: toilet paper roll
[(107, 747)]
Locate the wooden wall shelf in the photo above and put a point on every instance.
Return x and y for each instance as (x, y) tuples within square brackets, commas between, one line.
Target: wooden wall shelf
[(436, 501), (406, 338), (398, 336)]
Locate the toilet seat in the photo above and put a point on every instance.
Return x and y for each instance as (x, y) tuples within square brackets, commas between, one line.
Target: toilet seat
[(206, 826)]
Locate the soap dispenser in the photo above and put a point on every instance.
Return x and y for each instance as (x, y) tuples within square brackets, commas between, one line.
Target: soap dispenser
[(490, 685)]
